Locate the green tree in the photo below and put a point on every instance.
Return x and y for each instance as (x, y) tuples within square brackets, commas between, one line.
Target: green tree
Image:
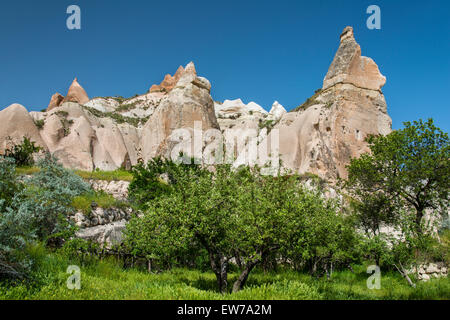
[(236, 215), (407, 168)]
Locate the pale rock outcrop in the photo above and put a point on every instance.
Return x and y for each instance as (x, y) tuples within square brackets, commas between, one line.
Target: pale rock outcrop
[(56, 100), (189, 101), (236, 108), (429, 271), (69, 135), (109, 151), (100, 216), (82, 141), (349, 66), (131, 138), (323, 138), (139, 107), (118, 189), (107, 235), (277, 111), (236, 115), (76, 93), (16, 123), (170, 82), (103, 104)]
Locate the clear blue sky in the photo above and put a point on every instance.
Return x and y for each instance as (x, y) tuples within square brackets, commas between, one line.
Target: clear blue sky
[(254, 50)]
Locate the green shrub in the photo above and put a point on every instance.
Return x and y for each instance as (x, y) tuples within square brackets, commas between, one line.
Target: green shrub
[(9, 185), (48, 198), (39, 123), (147, 181), (15, 225), (268, 124), (22, 153)]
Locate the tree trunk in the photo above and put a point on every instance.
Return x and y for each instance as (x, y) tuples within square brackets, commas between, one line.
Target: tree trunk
[(327, 271), (404, 274), (240, 282), (149, 265), (219, 265), (419, 216)]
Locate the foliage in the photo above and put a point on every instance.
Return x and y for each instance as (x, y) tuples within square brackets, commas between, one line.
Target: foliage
[(22, 153), (9, 185), (48, 197), (324, 241), (148, 180), (231, 213), (408, 168), (39, 123), (405, 175), (34, 210), (15, 225), (268, 124)]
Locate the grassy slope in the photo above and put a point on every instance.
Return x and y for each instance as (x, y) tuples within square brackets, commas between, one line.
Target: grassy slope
[(107, 280)]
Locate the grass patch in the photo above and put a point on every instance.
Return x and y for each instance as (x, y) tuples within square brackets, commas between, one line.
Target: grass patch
[(106, 279), (84, 202), (29, 170), (116, 175)]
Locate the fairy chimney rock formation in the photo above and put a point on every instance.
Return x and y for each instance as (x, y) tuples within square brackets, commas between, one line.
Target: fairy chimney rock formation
[(169, 81), (76, 93), (350, 67), (56, 100)]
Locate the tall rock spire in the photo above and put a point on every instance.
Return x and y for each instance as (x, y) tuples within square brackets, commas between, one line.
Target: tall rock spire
[(350, 67), (76, 93)]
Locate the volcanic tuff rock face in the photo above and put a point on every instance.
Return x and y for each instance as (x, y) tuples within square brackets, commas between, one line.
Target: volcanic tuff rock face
[(56, 100), (349, 67), (16, 122), (323, 137), (106, 133), (76, 93), (189, 101), (169, 82)]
